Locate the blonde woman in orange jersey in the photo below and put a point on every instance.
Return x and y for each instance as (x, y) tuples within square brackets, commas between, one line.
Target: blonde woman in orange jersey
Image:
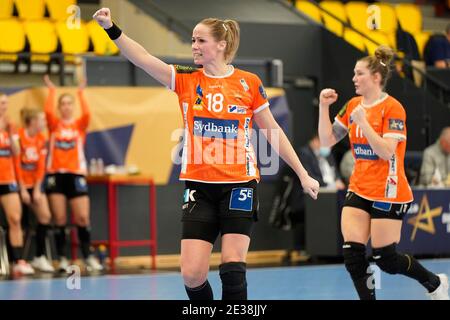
[(9, 191), (30, 176), (378, 195), (218, 103), (66, 171)]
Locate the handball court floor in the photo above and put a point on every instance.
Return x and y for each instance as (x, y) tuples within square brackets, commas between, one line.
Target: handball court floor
[(322, 282)]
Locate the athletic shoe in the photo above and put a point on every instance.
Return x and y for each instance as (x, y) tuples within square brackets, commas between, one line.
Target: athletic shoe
[(441, 292)]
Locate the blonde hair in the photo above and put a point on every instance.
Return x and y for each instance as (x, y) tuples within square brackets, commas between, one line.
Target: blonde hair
[(380, 62), (62, 96), (225, 30), (27, 114)]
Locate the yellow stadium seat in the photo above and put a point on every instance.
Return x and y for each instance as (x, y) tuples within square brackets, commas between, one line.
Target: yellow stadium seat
[(42, 37), (409, 17), (30, 9), (58, 8), (338, 10), (357, 15), (379, 37), (388, 18), (103, 45), (355, 39), (13, 41), (6, 9), (309, 9), (421, 40), (74, 39)]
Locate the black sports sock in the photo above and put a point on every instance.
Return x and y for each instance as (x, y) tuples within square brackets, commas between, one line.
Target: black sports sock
[(84, 236), (16, 253), (41, 234), (410, 267), (60, 239)]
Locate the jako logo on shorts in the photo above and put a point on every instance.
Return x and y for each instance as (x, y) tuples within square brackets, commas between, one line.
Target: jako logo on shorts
[(364, 151), (208, 127)]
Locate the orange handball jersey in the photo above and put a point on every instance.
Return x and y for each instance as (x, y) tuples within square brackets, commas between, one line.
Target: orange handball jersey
[(374, 178), (7, 170), (31, 168), (217, 113), (66, 145)]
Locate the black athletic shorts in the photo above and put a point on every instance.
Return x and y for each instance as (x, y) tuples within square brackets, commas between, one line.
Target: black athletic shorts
[(8, 188), (210, 209), (377, 209), (68, 184), (30, 191)]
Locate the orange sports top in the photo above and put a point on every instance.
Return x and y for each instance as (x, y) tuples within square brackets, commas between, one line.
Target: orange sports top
[(31, 168), (217, 114), (374, 178), (66, 143)]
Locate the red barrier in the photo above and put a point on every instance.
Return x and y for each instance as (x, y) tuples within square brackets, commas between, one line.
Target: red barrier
[(114, 243)]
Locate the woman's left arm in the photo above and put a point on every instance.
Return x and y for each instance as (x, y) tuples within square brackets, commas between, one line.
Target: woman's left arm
[(383, 147), (274, 134)]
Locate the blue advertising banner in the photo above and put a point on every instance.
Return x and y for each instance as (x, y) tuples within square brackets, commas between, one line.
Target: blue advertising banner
[(426, 227)]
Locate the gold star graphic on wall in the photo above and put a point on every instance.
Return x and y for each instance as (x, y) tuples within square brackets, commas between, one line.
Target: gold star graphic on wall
[(427, 214)]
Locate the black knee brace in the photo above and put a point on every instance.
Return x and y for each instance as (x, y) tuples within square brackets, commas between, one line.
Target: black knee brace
[(357, 265), (388, 259), (355, 259), (202, 292), (234, 284)]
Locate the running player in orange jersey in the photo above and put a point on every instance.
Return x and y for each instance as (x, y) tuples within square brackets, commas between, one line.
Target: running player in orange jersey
[(379, 195), (30, 172), (66, 171), (9, 191), (218, 103)]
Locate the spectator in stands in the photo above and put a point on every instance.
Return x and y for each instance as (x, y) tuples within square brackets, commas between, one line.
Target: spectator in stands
[(30, 171), (346, 166), (320, 164), (218, 103), (66, 171), (379, 195), (9, 191), (437, 50), (435, 169)]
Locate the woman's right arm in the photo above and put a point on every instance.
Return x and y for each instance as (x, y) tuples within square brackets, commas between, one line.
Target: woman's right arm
[(134, 52), (49, 107), (329, 134)]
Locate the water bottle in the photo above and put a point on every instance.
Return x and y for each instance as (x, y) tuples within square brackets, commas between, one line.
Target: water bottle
[(93, 167), (100, 167)]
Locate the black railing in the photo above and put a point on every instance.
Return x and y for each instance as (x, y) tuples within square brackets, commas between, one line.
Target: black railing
[(25, 58), (442, 92)]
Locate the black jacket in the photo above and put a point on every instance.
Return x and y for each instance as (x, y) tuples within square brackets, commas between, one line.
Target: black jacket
[(288, 204)]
